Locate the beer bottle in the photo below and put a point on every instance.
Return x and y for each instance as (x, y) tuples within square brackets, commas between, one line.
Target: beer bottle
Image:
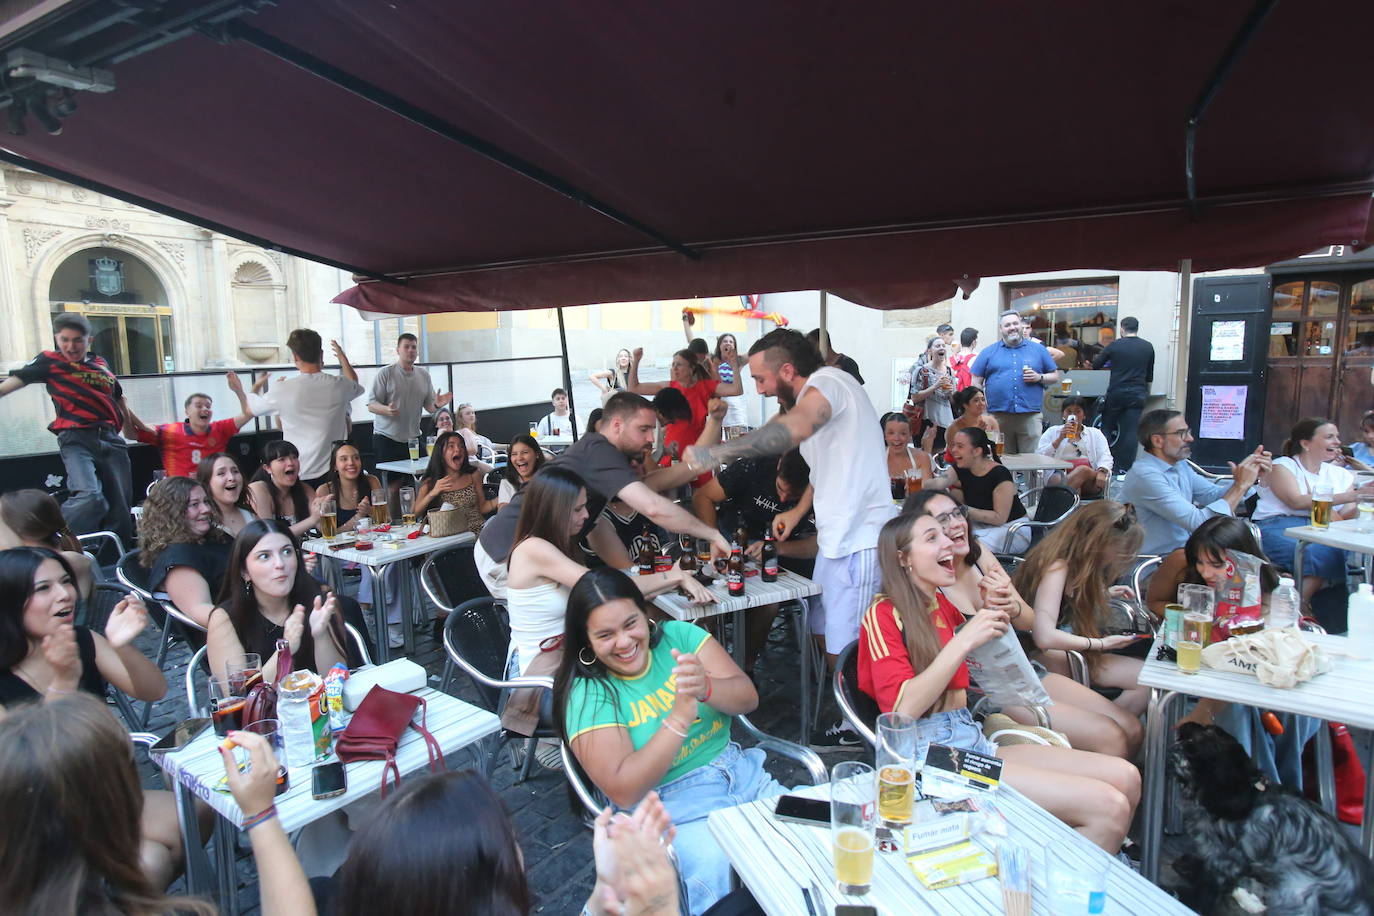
[(646, 552), (742, 537), (688, 560), (770, 557), (734, 572)]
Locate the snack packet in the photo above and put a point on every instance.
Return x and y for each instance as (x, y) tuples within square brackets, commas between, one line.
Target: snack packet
[(1238, 595)]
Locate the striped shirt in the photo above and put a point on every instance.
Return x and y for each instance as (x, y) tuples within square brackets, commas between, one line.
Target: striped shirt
[(85, 395)]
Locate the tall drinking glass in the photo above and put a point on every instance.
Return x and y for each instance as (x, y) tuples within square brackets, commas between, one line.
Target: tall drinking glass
[(381, 512), (1198, 599), (429, 444), (408, 505), (998, 444), (244, 672), (226, 707), (1321, 506), (899, 754), (853, 821), (413, 447), (271, 730), (1197, 631), (329, 520)]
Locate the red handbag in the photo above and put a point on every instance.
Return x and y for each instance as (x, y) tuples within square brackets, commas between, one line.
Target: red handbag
[(376, 728), (261, 700)]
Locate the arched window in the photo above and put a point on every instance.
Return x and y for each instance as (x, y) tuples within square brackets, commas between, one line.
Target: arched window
[(126, 305)]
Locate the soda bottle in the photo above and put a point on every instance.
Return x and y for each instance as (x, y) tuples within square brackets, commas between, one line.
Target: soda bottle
[(645, 559), (734, 572), (770, 557)]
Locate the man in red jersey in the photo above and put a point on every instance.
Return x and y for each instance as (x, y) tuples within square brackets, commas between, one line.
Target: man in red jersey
[(90, 407), (183, 444)]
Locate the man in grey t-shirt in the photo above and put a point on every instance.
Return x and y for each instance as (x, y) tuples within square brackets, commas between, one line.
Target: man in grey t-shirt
[(400, 393)]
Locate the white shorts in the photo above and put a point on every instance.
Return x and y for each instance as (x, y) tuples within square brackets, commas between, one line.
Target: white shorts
[(848, 585), (493, 574)]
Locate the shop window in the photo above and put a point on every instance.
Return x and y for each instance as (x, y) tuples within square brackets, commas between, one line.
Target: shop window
[(1324, 299), (1078, 317)]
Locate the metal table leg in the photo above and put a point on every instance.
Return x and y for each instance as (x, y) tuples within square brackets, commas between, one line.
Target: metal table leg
[(200, 874), (1367, 827), (1298, 550), (379, 616), (1326, 775), (1156, 777), (226, 838)]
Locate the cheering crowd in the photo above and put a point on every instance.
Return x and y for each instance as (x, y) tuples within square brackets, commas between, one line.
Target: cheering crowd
[(910, 524)]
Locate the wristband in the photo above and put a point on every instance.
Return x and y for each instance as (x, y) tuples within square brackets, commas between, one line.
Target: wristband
[(668, 725), (260, 818)]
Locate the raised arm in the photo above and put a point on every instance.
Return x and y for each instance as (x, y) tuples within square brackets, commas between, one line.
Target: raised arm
[(11, 385), (632, 383), (236, 385), (671, 516), (345, 367)]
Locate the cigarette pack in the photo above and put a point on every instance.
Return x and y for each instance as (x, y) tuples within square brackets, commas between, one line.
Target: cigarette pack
[(948, 866)]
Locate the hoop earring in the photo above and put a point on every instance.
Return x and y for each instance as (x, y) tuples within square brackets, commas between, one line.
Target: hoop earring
[(583, 660), (653, 629)]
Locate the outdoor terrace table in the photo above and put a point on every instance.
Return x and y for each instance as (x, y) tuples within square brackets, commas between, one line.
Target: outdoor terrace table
[(757, 593), (197, 768), (1034, 465), (404, 466), (378, 557), (1344, 694), (1344, 534), (775, 859)]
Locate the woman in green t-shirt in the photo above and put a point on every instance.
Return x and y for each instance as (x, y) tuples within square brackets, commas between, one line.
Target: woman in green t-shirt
[(647, 706)]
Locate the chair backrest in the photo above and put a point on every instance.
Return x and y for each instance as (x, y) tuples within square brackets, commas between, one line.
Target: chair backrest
[(1140, 577), (134, 576), (96, 610), (477, 638), (1055, 502), (857, 707), (450, 578), (105, 546)]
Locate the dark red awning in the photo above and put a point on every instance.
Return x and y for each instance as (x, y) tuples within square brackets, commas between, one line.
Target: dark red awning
[(875, 150)]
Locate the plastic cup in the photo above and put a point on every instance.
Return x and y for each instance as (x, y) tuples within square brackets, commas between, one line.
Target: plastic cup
[(1074, 887), (853, 823), (241, 672)]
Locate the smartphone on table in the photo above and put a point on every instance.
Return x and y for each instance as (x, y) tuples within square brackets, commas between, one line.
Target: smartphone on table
[(803, 810), (182, 734), (328, 780)]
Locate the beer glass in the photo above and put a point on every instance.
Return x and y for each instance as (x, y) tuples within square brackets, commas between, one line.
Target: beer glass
[(381, 513), (1364, 511), (853, 822), (1065, 385), (1197, 630), (329, 520), (1321, 506), (413, 445), (429, 444), (898, 756), (912, 478), (1198, 599), (997, 443), (408, 505), (534, 430)]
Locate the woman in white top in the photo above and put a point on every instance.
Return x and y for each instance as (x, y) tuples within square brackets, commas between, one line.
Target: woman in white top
[(1083, 446), (467, 419), (902, 456), (525, 460), (616, 378), (730, 365), (219, 474), (1285, 501), (543, 569)]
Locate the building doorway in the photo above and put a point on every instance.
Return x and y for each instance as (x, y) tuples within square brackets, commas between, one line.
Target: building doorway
[(131, 323)]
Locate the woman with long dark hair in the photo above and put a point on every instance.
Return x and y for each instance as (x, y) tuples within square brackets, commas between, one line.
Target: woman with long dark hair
[(1069, 577), (902, 456), (70, 839), (452, 477), (348, 484), (268, 595), (1308, 463), (912, 645), (986, 488), (523, 461), (32, 518), (185, 554), (731, 365), (219, 474), (277, 491), (43, 656), (647, 707), (970, 406), (1089, 720)]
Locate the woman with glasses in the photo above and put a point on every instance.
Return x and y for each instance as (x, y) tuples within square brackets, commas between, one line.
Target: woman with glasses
[(1069, 577), (1090, 721), (986, 488), (913, 643)]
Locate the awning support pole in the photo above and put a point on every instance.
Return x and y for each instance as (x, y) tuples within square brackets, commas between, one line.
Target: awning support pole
[(1248, 30), (1183, 335), (567, 370), (449, 131), (824, 335)]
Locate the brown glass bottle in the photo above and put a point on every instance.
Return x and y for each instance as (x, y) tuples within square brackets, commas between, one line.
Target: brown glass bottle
[(734, 572), (742, 537), (645, 560), (769, 560)]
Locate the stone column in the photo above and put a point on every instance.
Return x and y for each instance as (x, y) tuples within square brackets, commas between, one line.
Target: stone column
[(221, 343)]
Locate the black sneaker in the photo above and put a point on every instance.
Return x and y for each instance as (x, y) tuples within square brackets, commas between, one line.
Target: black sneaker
[(838, 737)]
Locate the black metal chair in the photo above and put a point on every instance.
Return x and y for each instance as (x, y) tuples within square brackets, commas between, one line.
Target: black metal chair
[(104, 548), (1051, 505), (449, 577), (476, 639), (857, 707), (175, 626)]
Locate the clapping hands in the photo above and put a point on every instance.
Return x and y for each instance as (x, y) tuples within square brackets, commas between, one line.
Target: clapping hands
[(126, 621)]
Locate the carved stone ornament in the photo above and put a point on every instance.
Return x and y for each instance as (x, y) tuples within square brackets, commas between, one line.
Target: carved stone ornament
[(35, 239), (115, 225), (175, 250)]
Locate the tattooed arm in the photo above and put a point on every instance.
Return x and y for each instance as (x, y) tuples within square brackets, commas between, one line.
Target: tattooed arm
[(779, 434)]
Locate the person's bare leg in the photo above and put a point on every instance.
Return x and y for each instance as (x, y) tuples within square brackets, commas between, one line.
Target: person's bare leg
[(1123, 673), (1310, 586), (1089, 720), (1070, 786), (1078, 477), (160, 844)]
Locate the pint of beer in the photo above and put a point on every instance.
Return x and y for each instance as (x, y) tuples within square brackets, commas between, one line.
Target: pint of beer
[(997, 443), (1321, 507), (1071, 427), (1065, 386), (329, 520)]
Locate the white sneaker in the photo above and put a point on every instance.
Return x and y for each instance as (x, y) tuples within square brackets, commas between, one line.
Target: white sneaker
[(395, 636)]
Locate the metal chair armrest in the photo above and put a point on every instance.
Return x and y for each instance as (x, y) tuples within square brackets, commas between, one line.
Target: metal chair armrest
[(789, 749), (425, 576), (192, 707), (360, 643), (848, 712), (498, 683), (1078, 667), (1026, 522), (584, 794)]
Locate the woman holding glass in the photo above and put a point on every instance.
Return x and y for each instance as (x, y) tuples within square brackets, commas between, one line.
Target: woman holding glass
[(647, 706), (349, 485), (903, 457), (1307, 470), (912, 646)]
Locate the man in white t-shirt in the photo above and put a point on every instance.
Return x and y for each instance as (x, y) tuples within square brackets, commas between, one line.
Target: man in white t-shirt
[(313, 406), (829, 417), (558, 423)]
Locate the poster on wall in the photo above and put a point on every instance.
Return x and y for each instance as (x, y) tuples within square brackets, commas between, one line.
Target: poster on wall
[(1223, 412), (1228, 341)]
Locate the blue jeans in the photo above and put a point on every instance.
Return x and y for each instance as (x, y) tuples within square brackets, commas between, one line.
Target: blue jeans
[(1278, 757), (954, 728), (735, 777), (99, 482), (1317, 559)]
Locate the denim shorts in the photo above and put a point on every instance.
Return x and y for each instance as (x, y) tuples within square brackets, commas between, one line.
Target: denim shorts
[(955, 728)]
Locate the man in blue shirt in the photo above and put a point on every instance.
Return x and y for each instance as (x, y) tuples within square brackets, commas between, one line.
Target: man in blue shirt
[(1171, 499), (1012, 374)]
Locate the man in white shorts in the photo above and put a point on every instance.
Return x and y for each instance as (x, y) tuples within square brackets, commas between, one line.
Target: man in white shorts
[(829, 417)]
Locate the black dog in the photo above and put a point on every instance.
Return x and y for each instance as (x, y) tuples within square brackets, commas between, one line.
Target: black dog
[(1259, 848)]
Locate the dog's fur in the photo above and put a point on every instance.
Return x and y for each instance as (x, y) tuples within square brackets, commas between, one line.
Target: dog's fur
[(1259, 845)]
